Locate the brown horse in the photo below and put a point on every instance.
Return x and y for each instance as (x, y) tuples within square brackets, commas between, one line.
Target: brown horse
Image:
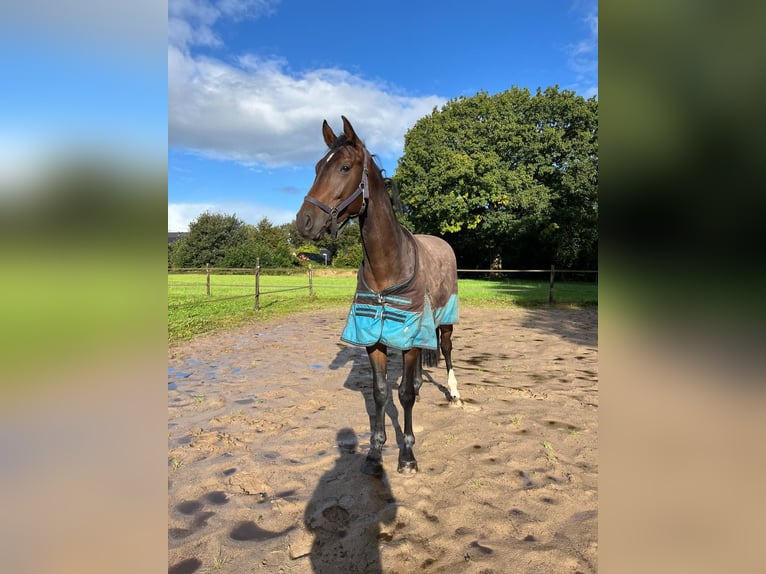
[(406, 286)]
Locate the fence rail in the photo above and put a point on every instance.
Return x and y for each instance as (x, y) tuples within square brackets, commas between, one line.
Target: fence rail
[(552, 271), (256, 271), (258, 292)]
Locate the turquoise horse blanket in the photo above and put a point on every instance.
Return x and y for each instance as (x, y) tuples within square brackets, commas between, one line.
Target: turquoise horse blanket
[(406, 315)]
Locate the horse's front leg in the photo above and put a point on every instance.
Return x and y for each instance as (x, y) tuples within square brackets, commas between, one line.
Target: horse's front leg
[(377, 355), (412, 378)]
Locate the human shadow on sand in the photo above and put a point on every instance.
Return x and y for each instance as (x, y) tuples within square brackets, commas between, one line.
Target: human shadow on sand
[(346, 512)]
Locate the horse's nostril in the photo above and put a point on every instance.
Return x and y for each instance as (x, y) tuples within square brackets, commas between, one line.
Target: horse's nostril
[(307, 222)]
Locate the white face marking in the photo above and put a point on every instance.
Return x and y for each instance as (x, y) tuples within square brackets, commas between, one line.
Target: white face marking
[(329, 157)]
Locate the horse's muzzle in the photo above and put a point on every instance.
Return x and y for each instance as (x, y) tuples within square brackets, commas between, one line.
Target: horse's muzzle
[(308, 225)]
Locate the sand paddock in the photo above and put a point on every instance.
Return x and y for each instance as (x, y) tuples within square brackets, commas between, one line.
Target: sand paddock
[(268, 424)]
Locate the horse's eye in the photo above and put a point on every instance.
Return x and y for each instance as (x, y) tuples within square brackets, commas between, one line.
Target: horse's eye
[(345, 168)]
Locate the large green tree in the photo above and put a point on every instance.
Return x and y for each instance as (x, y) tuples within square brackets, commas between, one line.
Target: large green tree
[(346, 251), (210, 236), (264, 243), (511, 175)]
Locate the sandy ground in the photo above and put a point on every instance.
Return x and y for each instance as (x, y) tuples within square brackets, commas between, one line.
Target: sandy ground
[(268, 425)]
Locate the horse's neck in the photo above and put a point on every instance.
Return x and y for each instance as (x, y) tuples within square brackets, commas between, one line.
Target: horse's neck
[(388, 254)]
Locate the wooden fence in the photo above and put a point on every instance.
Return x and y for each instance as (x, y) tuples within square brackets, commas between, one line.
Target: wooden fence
[(256, 293), (552, 274)]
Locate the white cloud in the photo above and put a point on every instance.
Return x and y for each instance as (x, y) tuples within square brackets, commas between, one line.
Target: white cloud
[(180, 215), (254, 111), (190, 22), (583, 55)]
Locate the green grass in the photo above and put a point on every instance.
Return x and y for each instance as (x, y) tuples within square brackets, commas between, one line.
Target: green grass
[(549, 452), (526, 292), (191, 311)]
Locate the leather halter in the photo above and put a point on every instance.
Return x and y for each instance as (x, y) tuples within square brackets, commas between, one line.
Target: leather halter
[(334, 212)]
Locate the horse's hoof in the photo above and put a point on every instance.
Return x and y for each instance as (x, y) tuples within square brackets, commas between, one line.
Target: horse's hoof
[(408, 467), (372, 467), (456, 402)]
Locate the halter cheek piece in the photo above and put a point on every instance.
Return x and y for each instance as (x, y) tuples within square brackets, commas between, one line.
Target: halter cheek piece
[(334, 212)]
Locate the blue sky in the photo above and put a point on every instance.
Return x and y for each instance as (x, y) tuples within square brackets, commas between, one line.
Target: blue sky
[(250, 82), (82, 79)]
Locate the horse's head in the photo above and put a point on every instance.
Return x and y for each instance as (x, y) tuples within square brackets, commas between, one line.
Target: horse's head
[(340, 190)]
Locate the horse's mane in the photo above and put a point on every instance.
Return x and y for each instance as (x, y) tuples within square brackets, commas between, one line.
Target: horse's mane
[(393, 191)]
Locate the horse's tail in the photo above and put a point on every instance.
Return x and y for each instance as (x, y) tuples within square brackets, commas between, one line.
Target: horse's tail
[(430, 357)]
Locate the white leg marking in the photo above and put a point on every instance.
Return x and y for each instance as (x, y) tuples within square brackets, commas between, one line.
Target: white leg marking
[(452, 382)]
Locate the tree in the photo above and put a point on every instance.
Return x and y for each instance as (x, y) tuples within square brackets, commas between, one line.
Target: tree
[(346, 251), (209, 238), (509, 175), (264, 242), (348, 255)]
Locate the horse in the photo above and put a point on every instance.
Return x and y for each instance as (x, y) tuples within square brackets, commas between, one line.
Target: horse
[(406, 295)]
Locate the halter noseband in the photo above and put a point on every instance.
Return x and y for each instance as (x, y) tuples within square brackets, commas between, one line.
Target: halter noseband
[(334, 212)]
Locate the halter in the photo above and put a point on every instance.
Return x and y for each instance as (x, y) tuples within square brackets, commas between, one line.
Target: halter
[(334, 212)]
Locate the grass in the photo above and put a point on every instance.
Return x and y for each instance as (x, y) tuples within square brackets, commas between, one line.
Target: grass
[(549, 453), (191, 311), (219, 561), (526, 292)]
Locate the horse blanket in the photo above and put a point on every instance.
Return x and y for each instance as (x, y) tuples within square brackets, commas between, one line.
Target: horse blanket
[(406, 315)]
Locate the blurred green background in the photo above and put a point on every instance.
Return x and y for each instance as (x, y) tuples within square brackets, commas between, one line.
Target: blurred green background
[(83, 286)]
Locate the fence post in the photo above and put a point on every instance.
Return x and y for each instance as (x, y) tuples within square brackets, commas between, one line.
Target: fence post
[(550, 288), (311, 281), (257, 304), (207, 281)]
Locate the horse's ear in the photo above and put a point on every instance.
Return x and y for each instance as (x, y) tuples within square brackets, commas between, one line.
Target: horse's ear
[(329, 136), (351, 136)]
